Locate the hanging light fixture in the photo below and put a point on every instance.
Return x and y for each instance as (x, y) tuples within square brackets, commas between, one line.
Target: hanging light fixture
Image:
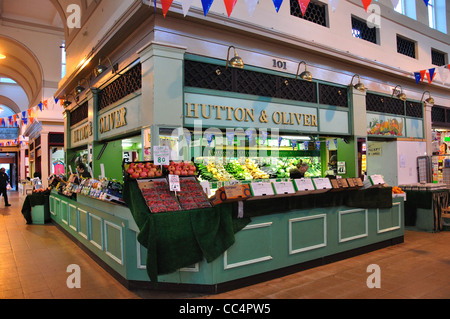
[(100, 68), (79, 89), (236, 61), (401, 95), (359, 86), (305, 75), (67, 102), (429, 101)]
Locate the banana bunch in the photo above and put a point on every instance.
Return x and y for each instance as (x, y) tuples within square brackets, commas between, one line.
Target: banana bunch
[(252, 168)]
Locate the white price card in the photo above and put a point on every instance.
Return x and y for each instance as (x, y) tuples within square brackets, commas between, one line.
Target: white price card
[(284, 188), (322, 183), (304, 184), (174, 183), (161, 155), (262, 189)]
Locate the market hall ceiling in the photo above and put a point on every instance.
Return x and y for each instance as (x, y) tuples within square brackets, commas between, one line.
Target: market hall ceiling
[(21, 63)]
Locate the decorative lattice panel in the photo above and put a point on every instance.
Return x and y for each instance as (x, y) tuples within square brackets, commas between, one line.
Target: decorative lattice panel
[(384, 104), (437, 114), (79, 114), (438, 58), (316, 12), (414, 109), (406, 47), (361, 30), (129, 82), (333, 95)]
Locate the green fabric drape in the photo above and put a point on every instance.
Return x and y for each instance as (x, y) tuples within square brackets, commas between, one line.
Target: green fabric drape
[(179, 239)]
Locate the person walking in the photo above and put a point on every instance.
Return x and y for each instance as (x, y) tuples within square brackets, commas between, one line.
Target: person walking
[(4, 180)]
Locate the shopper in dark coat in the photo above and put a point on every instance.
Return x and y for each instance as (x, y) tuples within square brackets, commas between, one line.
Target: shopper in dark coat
[(4, 180)]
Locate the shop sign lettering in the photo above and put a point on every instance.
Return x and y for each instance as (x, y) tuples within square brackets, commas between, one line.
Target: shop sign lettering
[(82, 133), (113, 120), (243, 114)]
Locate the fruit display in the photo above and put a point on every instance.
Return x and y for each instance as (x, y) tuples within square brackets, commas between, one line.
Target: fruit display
[(219, 172), (191, 195), (204, 173), (137, 170), (253, 169), (157, 195), (284, 165), (237, 170), (181, 168), (397, 190)]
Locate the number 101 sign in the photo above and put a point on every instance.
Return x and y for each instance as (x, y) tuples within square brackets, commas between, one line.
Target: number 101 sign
[(161, 155)]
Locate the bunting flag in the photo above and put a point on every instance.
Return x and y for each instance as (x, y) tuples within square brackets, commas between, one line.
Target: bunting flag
[(251, 6), (394, 3), (418, 77), (40, 105), (294, 144), (165, 6), (443, 73), (430, 75), (264, 136), (366, 4), (209, 138), (277, 4), (422, 75), (45, 104), (229, 5), (230, 137), (426, 2), (318, 145), (306, 144), (280, 139), (206, 4), (249, 134), (187, 137), (303, 5), (333, 4), (186, 4)]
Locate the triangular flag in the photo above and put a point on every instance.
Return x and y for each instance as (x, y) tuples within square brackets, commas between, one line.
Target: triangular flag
[(430, 75), (229, 5), (251, 5), (186, 4), (418, 77), (24, 121), (333, 4), (40, 106), (24, 114), (165, 6), (15, 117), (366, 3), (277, 4), (206, 4), (422, 75), (395, 3), (56, 100), (443, 73), (426, 2), (46, 104), (31, 120), (303, 5)]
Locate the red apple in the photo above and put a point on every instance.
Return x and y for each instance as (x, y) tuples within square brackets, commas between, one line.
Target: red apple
[(176, 172), (151, 174), (135, 175), (171, 168), (138, 170), (148, 165), (130, 171), (140, 165), (158, 173), (143, 174), (184, 172), (132, 165)]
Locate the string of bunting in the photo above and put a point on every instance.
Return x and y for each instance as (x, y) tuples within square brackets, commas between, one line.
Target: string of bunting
[(251, 5), (28, 116), (430, 74)]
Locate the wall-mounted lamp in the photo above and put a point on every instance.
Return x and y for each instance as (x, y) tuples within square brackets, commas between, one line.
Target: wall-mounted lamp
[(401, 95), (100, 68), (359, 86), (79, 89), (236, 61), (429, 101), (67, 102), (305, 75)]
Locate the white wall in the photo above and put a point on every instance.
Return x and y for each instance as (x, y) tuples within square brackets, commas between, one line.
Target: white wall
[(407, 160)]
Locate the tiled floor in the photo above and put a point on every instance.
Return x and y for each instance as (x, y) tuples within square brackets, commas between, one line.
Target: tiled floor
[(34, 261)]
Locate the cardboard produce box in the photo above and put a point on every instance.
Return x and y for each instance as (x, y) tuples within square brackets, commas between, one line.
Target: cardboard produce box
[(231, 193)]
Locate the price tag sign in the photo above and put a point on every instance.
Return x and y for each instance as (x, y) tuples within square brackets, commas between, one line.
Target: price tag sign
[(304, 184), (174, 183), (284, 188), (322, 183), (262, 189), (161, 155)]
